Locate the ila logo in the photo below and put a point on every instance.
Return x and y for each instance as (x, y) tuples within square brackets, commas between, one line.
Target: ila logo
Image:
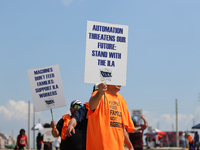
[(105, 75), (49, 102)]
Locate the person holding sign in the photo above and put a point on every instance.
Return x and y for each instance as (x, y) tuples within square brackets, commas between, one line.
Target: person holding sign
[(81, 120), (110, 117), (59, 129), (137, 136), (47, 144)]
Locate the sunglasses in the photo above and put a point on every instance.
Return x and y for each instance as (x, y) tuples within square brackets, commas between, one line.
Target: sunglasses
[(76, 107)]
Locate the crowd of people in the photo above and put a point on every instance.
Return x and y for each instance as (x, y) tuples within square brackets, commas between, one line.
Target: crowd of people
[(102, 123)]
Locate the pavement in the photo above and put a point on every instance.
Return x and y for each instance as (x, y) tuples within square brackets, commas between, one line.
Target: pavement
[(158, 148), (165, 148)]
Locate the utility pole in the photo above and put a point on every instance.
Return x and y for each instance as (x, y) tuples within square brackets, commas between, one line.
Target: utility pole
[(177, 133), (12, 138), (33, 125), (173, 133), (29, 125)]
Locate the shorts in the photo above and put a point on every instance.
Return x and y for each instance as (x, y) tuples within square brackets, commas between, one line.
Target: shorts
[(21, 146)]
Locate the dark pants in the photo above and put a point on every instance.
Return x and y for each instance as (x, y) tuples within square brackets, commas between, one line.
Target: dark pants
[(197, 145), (138, 148), (39, 146), (191, 146)]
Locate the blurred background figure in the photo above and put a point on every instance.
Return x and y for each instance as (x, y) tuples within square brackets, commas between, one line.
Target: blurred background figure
[(191, 143), (196, 140), (159, 140), (39, 141), (136, 137), (57, 143), (148, 142), (47, 144), (22, 140), (183, 140)]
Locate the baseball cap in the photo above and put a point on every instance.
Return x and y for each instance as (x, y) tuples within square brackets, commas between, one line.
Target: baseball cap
[(134, 119), (76, 102), (95, 87)]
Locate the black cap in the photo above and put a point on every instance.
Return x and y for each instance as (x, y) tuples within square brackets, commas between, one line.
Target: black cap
[(95, 87), (76, 102)]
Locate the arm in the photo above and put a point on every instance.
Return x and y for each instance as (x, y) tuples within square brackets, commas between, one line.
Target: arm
[(78, 118), (54, 131), (72, 124), (26, 143), (94, 100), (145, 122), (17, 143), (127, 140), (48, 143)]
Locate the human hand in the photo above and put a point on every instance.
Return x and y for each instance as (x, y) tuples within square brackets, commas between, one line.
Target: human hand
[(131, 148), (102, 87), (142, 116), (53, 124), (70, 129)]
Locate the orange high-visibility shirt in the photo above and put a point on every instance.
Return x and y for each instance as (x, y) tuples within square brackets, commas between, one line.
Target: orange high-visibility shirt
[(66, 119), (190, 139), (105, 130)]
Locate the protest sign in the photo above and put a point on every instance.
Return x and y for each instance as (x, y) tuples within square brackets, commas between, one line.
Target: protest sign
[(106, 53), (48, 135), (138, 113), (46, 88)]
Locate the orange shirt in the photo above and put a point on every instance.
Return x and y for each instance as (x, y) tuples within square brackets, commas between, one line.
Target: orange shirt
[(190, 139), (66, 119), (105, 129), (159, 136)]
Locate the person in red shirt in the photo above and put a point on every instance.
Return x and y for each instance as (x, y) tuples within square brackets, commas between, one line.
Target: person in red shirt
[(22, 140), (136, 136)]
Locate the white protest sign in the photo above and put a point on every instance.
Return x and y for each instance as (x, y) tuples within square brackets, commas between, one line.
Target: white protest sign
[(138, 113), (46, 88), (48, 135), (106, 53)]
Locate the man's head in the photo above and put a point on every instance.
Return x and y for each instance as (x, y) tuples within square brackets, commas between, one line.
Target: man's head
[(114, 88), (75, 106)]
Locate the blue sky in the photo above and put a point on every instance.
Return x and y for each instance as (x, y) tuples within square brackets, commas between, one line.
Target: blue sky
[(162, 64)]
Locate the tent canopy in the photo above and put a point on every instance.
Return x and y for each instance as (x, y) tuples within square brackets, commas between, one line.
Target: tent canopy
[(38, 126), (196, 126), (155, 131)]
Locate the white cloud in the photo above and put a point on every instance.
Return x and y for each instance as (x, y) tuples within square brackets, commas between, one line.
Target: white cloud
[(150, 117), (15, 110), (197, 110), (166, 122), (67, 2)]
